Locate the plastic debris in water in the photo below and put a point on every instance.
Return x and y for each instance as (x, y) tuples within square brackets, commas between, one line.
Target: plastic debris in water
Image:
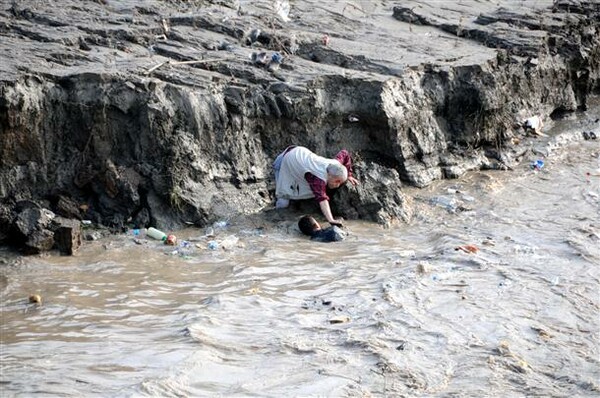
[(260, 58), (185, 248), (276, 57), (467, 248), (468, 198), (275, 62), (171, 240), (449, 204), (220, 224), (213, 245), (537, 165), (353, 118), (156, 234)]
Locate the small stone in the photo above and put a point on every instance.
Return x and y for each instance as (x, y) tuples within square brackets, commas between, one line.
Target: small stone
[(35, 299), (542, 333), (254, 290), (423, 268), (339, 319)]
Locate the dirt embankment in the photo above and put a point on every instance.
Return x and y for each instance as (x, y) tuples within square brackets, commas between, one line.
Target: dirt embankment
[(157, 113)]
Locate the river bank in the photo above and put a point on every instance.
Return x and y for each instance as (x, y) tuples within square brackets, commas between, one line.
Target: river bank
[(155, 114)]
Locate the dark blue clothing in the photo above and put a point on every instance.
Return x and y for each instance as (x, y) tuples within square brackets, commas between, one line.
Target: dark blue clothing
[(331, 234)]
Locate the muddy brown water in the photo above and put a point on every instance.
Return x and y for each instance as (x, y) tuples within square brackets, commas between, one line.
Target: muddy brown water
[(387, 312)]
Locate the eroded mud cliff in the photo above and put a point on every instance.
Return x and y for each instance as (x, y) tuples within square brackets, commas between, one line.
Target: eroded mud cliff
[(154, 113)]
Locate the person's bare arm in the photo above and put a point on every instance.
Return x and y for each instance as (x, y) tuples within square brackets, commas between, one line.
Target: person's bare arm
[(326, 210)]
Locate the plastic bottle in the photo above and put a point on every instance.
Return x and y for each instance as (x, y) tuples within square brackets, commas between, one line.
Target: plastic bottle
[(156, 234)]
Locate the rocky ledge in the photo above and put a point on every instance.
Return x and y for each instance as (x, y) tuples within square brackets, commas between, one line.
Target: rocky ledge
[(158, 112)]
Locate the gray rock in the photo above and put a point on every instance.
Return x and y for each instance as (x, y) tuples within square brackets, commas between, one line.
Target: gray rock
[(39, 241), (377, 198), (67, 235), (186, 132), (66, 207), (33, 219)]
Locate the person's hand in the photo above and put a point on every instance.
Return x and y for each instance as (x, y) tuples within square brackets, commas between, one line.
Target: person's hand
[(337, 223), (353, 181)]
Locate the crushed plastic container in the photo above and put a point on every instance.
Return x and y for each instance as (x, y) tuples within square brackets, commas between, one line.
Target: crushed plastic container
[(185, 249), (537, 165), (445, 202), (220, 224), (276, 57)]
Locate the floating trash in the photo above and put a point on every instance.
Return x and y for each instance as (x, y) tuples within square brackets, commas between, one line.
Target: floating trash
[(467, 248), (277, 57), (537, 165), (171, 240), (213, 245)]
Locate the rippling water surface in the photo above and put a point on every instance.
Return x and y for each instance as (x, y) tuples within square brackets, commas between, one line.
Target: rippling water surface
[(388, 312)]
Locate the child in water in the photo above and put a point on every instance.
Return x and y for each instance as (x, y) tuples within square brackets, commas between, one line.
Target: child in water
[(309, 226)]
